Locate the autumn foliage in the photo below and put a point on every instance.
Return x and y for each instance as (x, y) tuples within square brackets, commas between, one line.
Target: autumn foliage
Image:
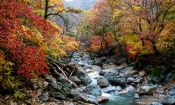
[(25, 40)]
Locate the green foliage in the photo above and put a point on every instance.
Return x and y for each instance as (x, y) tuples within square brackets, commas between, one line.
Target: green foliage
[(7, 79), (156, 71), (19, 95)]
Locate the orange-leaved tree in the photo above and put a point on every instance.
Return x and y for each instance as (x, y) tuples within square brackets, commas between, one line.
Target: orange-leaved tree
[(28, 57)]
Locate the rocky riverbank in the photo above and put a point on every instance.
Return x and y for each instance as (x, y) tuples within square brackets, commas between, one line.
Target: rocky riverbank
[(106, 84)]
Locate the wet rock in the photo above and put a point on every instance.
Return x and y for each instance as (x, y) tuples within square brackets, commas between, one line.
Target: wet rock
[(96, 68), (81, 72), (102, 82), (89, 99), (147, 89), (155, 79), (113, 79), (49, 78), (56, 85), (136, 96), (155, 103), (70, 103), (142, 73), (44, 97), (138, 79), (171, 96), (87, 67), (130, 79), (118, 88), (130, 88), (107, 66), (101, 99), (160, 90), (122, 66), (113, 71), (120, 61), (75, 79), (93, 89), (170, 76), (75, 93), (85, 80), (110, 89), (83, 76), (128, 71), (58, 95)]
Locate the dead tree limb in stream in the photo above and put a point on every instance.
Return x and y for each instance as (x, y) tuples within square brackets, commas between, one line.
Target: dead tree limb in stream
[(63, 75)]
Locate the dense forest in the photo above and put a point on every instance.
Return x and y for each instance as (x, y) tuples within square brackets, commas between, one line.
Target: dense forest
[(87, 52)]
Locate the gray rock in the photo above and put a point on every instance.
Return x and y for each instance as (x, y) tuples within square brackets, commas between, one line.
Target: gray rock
[(81, 72), (48, 78), (155, 103), (155, 79), (75, 79), (120, 61), (96, 68), (87, 67), (44, 97), (110, 89), (130, 79), (102, 82), (118, 88), (171, 96), (122, 66), (70, 103), (56, 85), (136, 96), (59, 95), (160, 90), (138, 79), (85, 80), (89, 98), (130, 88), (170, 77), (111, 70), (75, 93), (93, 89), (102, 99), (128, 71), (113, 79), (142, 73), (147, 89)]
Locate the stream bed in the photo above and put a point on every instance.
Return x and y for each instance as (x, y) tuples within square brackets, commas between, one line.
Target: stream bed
[(111, 92)]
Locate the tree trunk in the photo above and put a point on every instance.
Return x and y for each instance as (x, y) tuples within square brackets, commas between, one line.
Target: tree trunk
[(46, 9)]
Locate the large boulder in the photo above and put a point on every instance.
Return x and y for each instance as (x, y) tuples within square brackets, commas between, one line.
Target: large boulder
[(81, 72), (93, 89), (147, 89), (116, 80), (102, 82), (75, 79), (112, 70), (85, 80), (89, 98), (171, 96), (128, 71), (83, 76), (75, 94)]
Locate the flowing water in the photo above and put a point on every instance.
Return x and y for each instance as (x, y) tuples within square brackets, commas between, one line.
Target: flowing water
[(126, 98), (119, 99)]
